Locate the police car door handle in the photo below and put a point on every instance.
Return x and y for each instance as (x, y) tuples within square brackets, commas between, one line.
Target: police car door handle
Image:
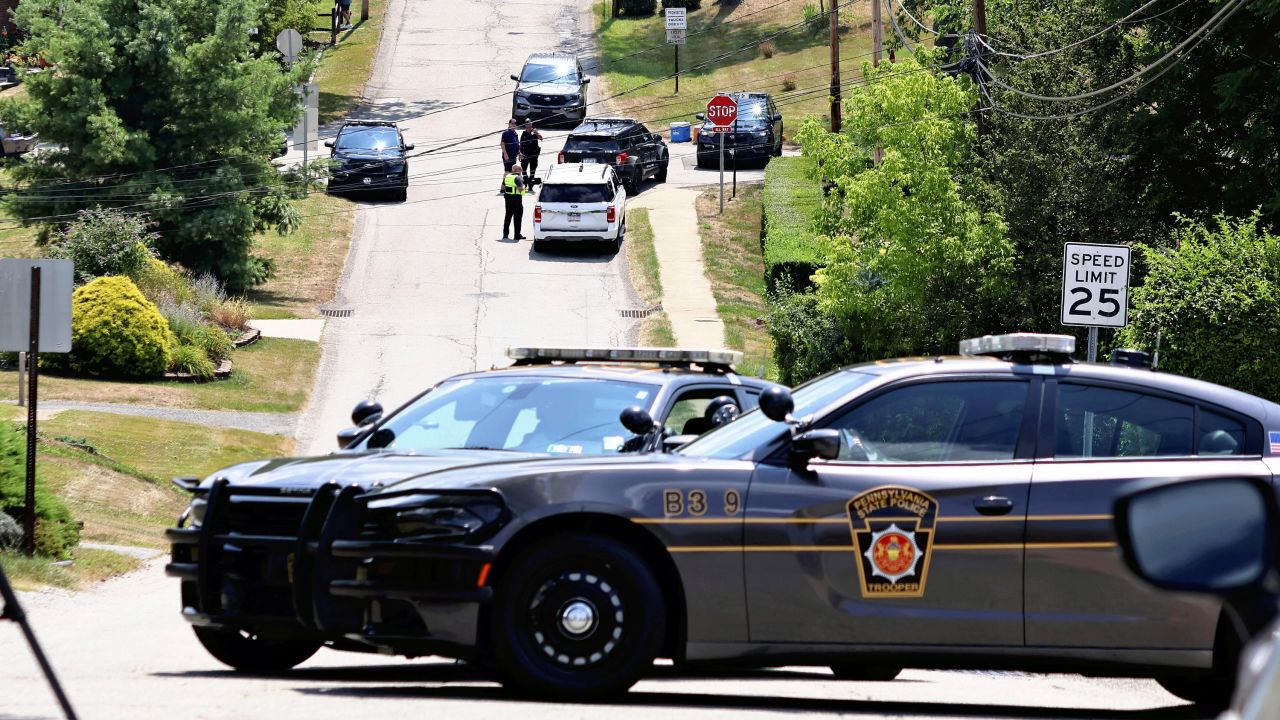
[(993, 505)]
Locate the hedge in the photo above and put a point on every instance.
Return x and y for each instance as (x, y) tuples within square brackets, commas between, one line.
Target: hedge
[(791, 199)]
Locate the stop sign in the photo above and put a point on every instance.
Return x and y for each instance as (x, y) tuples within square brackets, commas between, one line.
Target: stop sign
[(722, 111)]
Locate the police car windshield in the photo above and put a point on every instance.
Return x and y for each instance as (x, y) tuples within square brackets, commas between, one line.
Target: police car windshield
[(743, 436), (549, 74), (585, 193), (368, 138), (560, 416)]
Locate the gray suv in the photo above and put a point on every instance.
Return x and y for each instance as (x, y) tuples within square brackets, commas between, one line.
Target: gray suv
[(550, 86)]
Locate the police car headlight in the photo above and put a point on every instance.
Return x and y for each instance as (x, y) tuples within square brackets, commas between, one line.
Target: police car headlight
[(575, 98), (195, 512), (436, 518)]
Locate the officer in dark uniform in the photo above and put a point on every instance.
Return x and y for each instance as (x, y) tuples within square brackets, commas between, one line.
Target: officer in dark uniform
[(530, 149), (513, 196)]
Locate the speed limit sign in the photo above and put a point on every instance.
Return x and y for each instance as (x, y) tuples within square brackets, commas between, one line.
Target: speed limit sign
[(1095, 285)]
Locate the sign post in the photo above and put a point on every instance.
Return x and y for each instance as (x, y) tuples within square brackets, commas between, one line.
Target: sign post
[(35, 294), (722, 111), (1095, 293), (677, 26)]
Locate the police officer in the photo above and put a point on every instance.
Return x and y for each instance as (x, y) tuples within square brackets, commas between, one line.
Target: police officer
[(530, 149), (513, 195)]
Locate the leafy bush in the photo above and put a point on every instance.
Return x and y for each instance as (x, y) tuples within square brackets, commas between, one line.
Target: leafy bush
[(207, 293), (191, 329), (115, 332), (214, 341), (56, 531), (10, 533), (104, 242), (1213, 297), (194, 360), (185, 320), (791, 199), (162, 283), (807, 342), (633, 8)]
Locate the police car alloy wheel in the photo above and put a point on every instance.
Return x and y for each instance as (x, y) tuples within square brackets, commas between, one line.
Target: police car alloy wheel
[(251, 652), (576, 617)]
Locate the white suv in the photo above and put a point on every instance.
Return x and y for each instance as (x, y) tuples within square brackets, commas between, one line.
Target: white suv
[(580, 201)]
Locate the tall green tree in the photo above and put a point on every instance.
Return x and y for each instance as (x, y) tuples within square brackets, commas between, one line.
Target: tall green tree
[(160, 106)]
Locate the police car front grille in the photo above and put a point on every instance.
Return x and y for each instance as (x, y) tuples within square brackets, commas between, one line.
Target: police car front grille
[(549, 99), (278, 518)]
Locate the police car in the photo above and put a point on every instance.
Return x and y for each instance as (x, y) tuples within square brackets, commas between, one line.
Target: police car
[(950, 512), (248, 533)]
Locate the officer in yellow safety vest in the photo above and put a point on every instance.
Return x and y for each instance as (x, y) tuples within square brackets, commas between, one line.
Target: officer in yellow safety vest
[(513, 195)]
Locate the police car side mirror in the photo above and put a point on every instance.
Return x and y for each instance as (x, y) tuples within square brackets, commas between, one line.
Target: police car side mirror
[(776, 403), (348, 435), (700, 116), (366, 412), (777, 117), (824, 444), (637, 420), (408, 147), (1214, 536), (328, 143), (586, 81), (513, 77)]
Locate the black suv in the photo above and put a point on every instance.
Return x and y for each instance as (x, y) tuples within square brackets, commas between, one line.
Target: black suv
[(369, 156), (627, 145), (757, 134), (550, 86)]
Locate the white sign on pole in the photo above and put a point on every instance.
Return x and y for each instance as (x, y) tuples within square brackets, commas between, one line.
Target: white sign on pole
[(56, 284), (1095, 285), (289, 43), (676, 19), (677, 37)]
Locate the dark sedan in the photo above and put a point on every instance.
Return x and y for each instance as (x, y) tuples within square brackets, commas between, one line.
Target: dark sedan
[(757, 134)]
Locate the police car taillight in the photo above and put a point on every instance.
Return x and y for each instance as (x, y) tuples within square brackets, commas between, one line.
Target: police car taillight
[(626, 354), (560, 158), (622, 158), (612, 214), (1025, 343), (537, 213)]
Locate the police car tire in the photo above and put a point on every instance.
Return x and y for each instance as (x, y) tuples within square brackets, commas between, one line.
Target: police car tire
[(863, 672), (662, 171), (566, 569), (254, 653)]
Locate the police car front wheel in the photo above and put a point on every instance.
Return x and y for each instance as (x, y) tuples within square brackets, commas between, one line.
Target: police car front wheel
[(251, 652), (577, 617)]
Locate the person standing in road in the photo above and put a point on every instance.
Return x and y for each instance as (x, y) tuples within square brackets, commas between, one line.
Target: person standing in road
[(530, 149), (513, 196), (510, 144)]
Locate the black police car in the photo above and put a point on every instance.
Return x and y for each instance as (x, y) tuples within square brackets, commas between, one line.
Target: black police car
[(951, 512), (243, 548), (551, 86), (369, 156), (626, 144), (757, 134)]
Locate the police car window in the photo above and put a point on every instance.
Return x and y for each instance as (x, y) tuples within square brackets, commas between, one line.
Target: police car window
[(566, 193), (549, 74), (1219, 434), (368, 138), (1093, 422), (564, 416), (590, 143), (958, 421), (688, 413)]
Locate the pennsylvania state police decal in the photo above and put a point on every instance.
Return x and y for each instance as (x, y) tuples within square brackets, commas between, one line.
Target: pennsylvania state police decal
[(893, 535)]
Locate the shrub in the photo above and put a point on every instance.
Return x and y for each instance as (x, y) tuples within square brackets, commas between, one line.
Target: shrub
[(791, 199), (214, 341), (1213, 297), (104, 242), (207, 293), (115, 332), (768, 49), (185, 320), (10, 533), (633, 8), (814, 19), (192, 359), (807, 342), (232, 314), (56, 531), (788, 83), (162, 283)]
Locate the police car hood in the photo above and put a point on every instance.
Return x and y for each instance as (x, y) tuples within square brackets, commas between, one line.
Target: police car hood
[(364, 468), (561, 468)]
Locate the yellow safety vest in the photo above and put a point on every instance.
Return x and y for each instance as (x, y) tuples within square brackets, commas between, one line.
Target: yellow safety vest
[(509, 186)]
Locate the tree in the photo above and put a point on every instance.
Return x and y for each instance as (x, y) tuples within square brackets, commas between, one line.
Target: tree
[(159, 106), (300, 15)]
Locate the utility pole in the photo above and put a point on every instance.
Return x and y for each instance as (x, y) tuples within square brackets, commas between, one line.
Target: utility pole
[(877, 34), (835, 65), (980, 27)]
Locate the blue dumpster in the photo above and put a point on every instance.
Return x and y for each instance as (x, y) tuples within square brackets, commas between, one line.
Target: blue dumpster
[(680, 132)]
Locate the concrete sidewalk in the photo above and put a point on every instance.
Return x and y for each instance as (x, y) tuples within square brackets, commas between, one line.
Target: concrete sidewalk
[(686, 291)]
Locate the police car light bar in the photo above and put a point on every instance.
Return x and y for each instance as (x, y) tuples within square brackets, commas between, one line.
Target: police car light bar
[(627, 354), (1018, 342)]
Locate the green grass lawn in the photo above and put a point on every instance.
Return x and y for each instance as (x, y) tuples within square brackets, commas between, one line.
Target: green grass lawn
[(345, 68), (791, 199), (272, 375), (796, 73), (735, 266), (642, 259)]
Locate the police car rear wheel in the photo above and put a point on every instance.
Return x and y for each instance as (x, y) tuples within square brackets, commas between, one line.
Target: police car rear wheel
[(865, 673), (577, 616), (250, 652)]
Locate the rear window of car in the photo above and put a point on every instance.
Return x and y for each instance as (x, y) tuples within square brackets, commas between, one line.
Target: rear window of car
[(575, 193), (590, 143), (368, 138)]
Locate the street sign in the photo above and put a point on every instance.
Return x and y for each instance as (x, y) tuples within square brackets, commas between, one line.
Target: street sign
[(56, 284), (289, 43), (721, 112), (1095, 285), (676, 19), (677, 37)]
